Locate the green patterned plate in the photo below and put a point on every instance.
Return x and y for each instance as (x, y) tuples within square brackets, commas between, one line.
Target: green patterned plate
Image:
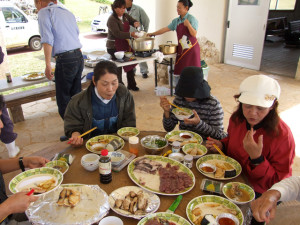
[(171, 217), (244, 189), (203, 203), (187, 147), (105, 139), (177, 132), (178, 113), (60, 165), (128, 129), (227, 159), (30, 178), (159, 159)]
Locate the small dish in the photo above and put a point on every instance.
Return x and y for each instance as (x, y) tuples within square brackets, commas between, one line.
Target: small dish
[(90, 161), (186, 136), (128, 54), (194, 149), (109, 220), (177, 156), (116, 158), (62, 166), (126, 132), (227, 218), (207, 168)]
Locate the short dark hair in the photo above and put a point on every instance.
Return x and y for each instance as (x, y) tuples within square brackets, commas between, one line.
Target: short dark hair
[(187, 3), (269, 123), (2, 102), (104, 67), (117, 4)]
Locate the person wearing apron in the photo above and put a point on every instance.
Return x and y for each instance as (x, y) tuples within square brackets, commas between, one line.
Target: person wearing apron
[(118, 32), (186, 25)]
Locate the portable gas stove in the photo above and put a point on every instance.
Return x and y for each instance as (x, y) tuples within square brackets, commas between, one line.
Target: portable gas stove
[(145, 54)]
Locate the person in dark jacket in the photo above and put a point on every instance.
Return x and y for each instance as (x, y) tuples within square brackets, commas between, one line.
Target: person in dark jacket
[(106, 104)]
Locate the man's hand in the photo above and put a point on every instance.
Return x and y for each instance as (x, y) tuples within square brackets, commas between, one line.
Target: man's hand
[(75, 140), (34, 162), (193, 121), (264, 208), (48, 73), (18, 202), (252, 148)]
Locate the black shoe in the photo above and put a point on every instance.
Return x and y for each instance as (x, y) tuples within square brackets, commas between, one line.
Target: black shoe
[(64, 138), (133, 88), (145, 75)]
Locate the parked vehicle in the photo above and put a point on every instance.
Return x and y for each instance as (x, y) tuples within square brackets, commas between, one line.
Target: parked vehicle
[(17, 28), (99, 23)]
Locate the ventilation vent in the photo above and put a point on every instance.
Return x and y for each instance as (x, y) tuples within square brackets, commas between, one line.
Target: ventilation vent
[(242, 51)]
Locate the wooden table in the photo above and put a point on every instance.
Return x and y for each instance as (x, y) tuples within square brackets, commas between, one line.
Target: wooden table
[(77, 174)]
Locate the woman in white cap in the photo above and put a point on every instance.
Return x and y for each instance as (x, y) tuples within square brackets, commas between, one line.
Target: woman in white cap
[(257, 138)]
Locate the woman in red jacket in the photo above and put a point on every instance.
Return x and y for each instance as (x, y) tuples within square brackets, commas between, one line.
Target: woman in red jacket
[(257, 138)]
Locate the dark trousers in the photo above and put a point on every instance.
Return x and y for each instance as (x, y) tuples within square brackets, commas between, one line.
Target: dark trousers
[(130, 74), (68, 71), (7, 134)]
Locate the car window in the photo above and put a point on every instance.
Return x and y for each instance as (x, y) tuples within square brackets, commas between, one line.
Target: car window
[(12, 15)]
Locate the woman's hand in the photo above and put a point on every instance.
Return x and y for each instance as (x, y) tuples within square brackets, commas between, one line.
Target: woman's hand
[(75, 140), (19, 202), (34, 162), (193, 121), (209, 144), (186, 23), (252, 148), (165, 105), (136, 24)]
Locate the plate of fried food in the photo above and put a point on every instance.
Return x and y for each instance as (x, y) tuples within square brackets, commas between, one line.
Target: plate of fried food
[(208, 207), (42, 180), (33, 76), (184, 137), (133, 201), (194, 149), (163, 218), (70, 204), (155, 174), (226, 167), (110, 142)]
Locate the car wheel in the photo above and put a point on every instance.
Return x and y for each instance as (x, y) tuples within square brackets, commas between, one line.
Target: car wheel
[(35, 43)]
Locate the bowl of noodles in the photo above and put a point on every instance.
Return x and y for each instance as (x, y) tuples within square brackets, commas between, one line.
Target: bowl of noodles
[(182, 114), (127, 132)]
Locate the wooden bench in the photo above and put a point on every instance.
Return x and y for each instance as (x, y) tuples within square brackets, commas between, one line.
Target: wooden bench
[(14, 101)]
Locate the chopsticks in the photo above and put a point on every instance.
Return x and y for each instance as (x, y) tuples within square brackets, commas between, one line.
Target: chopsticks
[(30, 192), (176, 106), (219, 150), (89, 131)]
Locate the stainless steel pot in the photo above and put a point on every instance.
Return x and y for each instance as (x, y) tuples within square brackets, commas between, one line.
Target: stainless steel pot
[(142, 44), (168, 49)]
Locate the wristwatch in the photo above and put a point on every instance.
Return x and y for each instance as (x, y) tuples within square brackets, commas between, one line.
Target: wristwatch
[(21, 164), (257, 161)]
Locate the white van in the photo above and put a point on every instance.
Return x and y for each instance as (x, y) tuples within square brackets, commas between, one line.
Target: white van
[(17, 28)]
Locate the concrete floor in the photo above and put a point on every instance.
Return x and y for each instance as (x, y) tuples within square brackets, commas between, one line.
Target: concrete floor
[(43, 126)]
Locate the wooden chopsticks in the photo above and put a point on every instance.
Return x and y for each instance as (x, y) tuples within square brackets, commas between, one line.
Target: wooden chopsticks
[(85, 133), (219, 150), (176, 106)]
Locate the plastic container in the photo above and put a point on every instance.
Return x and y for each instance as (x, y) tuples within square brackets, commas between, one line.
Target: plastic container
[(176, 147), (188, 161), (133, 145), (205, 73), (8, 77), (105, 167)]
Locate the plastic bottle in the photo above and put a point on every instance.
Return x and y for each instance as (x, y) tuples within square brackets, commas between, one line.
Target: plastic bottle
[(105, 167), (133, 145), (176, 147), (8, 77)]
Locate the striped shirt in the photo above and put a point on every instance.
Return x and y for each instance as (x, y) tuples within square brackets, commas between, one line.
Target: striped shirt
[(211, 117)]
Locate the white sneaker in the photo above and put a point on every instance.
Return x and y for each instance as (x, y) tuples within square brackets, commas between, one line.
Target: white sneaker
[(14, 153)]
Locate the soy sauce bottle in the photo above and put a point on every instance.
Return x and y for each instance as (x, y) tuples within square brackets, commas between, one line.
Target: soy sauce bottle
[(105, 167)]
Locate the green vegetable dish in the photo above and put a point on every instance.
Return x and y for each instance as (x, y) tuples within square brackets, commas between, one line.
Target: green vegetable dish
[(160, 143)]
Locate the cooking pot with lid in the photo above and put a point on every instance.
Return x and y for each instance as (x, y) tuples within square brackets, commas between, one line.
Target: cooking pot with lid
[(142, 44), (168, 49)]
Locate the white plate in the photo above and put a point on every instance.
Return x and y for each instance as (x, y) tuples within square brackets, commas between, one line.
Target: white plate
[(153, 201), (155, 179), (107, 138), (92, 207), (33, 76)]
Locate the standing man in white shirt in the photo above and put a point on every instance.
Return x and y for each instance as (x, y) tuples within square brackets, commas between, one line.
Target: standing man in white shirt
[(140, 15), (264, 208)]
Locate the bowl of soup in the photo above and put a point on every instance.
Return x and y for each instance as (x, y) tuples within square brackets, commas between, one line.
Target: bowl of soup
[(182, 114), (238, 193), (127, 132), (60, 165)]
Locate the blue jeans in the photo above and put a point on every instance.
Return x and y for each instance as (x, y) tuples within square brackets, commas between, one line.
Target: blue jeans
[(68, 71)]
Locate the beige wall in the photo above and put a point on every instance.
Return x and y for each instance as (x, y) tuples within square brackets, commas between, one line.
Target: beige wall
[(211, 16)]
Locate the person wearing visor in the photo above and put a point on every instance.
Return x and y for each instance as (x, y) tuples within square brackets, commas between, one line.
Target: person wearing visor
[(105, 104), (193, 92), (257, 138)]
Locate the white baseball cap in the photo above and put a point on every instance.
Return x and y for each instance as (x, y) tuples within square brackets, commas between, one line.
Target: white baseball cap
[(259, 90)]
